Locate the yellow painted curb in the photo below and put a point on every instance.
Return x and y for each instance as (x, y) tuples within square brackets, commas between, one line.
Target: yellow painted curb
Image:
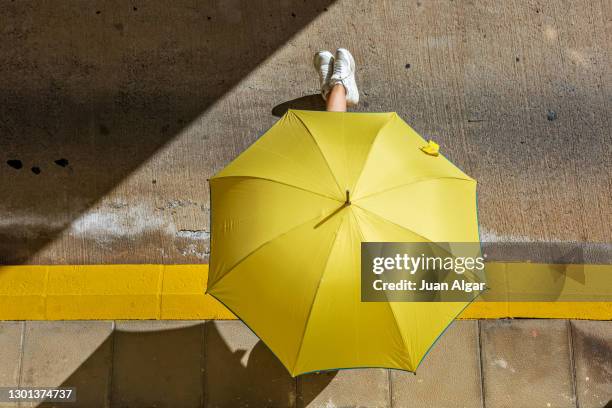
[(71, 292)]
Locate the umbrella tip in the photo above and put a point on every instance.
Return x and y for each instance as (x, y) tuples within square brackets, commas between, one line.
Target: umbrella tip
[(348, 198)]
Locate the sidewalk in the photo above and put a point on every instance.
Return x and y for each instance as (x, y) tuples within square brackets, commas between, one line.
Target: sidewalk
[(487, 363)]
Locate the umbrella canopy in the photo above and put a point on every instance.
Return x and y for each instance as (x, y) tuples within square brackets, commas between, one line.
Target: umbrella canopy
[(288, 219)]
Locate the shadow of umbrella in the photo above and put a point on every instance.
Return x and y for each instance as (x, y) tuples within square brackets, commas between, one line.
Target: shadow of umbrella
[(190, 366)]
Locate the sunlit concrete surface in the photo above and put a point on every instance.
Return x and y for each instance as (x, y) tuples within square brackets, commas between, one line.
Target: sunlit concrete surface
[(144, 102)]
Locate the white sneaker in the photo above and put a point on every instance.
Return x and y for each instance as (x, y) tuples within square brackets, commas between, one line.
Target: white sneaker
[(344, 73), (324, 64)]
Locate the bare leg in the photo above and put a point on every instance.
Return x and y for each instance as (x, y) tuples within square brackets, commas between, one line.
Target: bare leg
[(336, 99)]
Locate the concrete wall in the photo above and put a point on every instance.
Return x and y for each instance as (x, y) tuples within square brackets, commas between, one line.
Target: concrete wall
[(146, 100)]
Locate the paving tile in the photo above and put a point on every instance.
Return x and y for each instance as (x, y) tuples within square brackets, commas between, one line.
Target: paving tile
[(592, 343), (70, 354), (363, 388), (10, 352), (449, 376), (241, 371), (526, 364), (157, 364), (10, 355)]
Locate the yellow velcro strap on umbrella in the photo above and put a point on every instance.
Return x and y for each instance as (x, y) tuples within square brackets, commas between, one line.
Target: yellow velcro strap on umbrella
[(431, 148)]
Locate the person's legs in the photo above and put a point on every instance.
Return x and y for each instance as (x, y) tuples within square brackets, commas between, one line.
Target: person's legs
[(337, 79), (336, 99), (344, 74)]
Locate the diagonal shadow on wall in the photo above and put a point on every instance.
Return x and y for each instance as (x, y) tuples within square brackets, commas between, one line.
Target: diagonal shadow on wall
[(91, 90)]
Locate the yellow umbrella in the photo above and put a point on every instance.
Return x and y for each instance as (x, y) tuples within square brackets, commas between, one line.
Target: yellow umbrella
[(285, 250)]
